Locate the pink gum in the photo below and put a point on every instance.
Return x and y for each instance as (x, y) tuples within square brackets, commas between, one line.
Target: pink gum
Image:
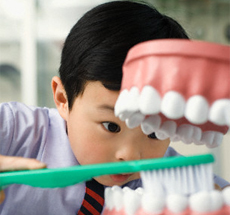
[(188, 67), (223, 211)]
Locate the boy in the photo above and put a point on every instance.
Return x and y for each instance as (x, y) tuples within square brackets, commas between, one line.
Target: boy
[(84, 130)]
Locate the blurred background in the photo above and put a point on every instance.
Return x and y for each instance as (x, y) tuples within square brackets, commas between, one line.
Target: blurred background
[(32, 33)]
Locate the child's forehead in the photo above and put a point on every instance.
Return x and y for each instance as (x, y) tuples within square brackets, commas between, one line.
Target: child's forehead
[(94, 91)]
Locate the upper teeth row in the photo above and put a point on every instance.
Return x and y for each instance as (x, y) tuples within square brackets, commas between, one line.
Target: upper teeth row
[(133, 201), (132, 107), (172, 105)]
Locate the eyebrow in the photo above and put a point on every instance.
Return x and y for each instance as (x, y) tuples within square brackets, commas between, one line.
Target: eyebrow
[(106, 107)]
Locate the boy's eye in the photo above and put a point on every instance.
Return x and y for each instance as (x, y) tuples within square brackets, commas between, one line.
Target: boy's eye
[(152, 136), (112, 127)]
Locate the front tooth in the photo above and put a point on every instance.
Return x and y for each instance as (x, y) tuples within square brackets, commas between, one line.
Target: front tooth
[(151, 124), (216, 200), (117, 197), (109, 198), (197, 109), (131, 202), (177, 203), (173, 105), (150, 101), (220, 112), (200, 202), (167, 129), (132, 103), (226, 195), (135, 120), (212, 139), (120, 103), (152, 204)]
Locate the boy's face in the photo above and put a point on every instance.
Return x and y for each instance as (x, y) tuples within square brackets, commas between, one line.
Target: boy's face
[(97, 136)]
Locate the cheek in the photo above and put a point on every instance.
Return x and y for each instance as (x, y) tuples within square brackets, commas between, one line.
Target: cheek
[(88, 145), (156, 149)]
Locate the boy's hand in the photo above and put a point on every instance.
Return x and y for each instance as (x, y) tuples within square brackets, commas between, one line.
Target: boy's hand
[(8, 163)]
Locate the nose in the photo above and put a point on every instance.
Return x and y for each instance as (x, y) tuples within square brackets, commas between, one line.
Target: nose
[(128, 149)]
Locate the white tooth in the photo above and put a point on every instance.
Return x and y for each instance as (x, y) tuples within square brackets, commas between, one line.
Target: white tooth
[(183, 133), (109, 198), (177, 203), (140, 191), (120, 103), (161, 135), (197, 134), (129, 102), (220, 112), (125, 115), (212, 138), (117, 197), (152, 204), (197, 109), (126, 189), (168, 128), (132, 104), (135, 120), (200, 202), (173, 105), (151, 124), (226, 195), (175, 138), (150, 101), (132, 202), (189, 133), (216, 200)]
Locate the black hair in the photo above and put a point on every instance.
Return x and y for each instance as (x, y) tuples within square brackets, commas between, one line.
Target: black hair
[(96, 46)]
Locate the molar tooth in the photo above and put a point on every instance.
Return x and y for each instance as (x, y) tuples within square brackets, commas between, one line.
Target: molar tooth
[(173, 105), (135, 120), (167, 129), (150, 101), (177, 203), (226, 195), (185, 132), (161, 135), (197, 109), (131, 201), (216, 200), (152, 203), (212, 138), (197, 134), (220, 112), (200, 202), (151, 124)]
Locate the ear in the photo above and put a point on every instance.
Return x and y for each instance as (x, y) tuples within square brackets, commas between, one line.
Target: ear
[(60, 97)]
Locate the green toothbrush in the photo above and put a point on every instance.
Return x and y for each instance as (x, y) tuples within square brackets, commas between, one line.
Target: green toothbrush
[(62, 177)]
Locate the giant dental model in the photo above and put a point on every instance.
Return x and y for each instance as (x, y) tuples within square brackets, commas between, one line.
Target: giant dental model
[(125, 201), (179, 89)]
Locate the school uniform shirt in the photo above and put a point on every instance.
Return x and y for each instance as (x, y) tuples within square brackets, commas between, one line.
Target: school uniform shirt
[(40, 133)]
